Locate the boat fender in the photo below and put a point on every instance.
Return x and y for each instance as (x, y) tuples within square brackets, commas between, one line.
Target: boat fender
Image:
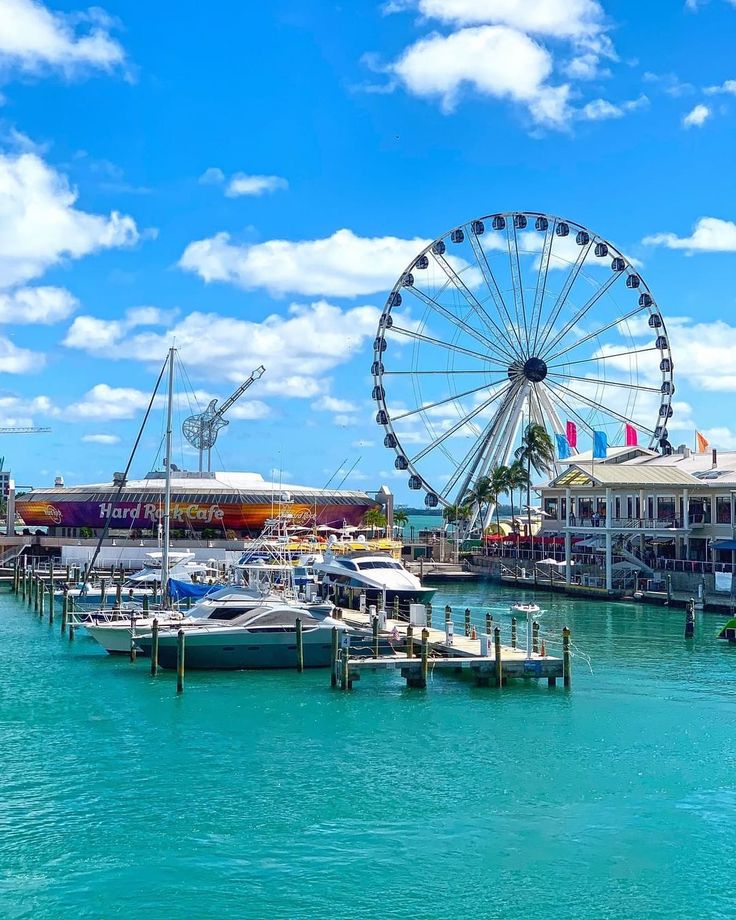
[(474, 634), (543, 651)]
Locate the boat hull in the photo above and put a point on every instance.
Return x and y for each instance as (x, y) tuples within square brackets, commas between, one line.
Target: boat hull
[(242, 651)]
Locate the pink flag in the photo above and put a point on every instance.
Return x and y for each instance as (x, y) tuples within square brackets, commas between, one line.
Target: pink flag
[(631, 436), (572, 435)]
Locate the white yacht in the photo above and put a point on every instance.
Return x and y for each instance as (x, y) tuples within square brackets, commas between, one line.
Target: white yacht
[(242, 634), (144, 583), (377, 575)]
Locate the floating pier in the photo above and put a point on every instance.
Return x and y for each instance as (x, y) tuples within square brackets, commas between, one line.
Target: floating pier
[(418, 655)]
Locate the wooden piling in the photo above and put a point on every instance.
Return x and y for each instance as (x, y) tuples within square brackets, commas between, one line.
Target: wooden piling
[(299, 645), (41, 593), (448, 613), (180, 645), (103, 593), (64, 612), (489, 624), (566, 663), (425, 656), (429, 616), (396, 607), (497, 655), (467, 621), (71, 632), (410, 641), (132, 637), (535, 637), (154, 648), (118, 595), (145, 604), (51, 603), (344, 670), (513, 632), (333, 657), (374, 626)]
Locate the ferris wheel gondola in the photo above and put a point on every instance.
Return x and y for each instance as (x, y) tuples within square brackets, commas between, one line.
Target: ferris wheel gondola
[(508, 319)]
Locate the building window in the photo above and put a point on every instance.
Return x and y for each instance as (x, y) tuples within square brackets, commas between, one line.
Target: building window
[(550, 507), (666, 509), (723, 511)]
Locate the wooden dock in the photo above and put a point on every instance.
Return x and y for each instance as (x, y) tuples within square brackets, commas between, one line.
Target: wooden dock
[(419, 651)]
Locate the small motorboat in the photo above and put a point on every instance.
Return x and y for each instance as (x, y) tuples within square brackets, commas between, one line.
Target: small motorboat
[(526, 609), (728, 632)]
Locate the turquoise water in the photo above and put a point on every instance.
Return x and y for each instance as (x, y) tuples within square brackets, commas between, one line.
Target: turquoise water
[(269, 795)]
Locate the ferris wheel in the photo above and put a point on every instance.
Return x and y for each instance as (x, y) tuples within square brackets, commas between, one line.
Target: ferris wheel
[(509, 319)]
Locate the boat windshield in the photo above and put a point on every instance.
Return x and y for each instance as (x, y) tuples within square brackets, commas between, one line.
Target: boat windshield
[(379, 564)]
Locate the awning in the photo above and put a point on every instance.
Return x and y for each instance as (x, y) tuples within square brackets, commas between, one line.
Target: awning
[(724, 544)]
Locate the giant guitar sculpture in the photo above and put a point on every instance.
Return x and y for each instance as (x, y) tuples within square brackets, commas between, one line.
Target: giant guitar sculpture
[(201, 430)]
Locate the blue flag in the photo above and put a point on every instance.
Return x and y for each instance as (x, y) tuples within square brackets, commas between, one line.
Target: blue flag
[(563, 446), (600, 445)]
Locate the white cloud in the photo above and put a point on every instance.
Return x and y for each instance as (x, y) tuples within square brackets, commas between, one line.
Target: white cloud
[(670, 84), (493, 60), (34, 40), (104, 402), (212, 176), (298, 348), (344, 421), (341, 265), (39, 225), (710, 234), (558, 18), (333, 404), (697, 116), (98, 335), (243, 184), (600, 109), (101, 439), (43, 305), (729, 86), (17, 412), (16, 360), (495, 49)]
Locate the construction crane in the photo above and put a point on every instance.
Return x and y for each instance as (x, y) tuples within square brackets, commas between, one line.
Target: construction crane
[(201, 430), (24, 430)]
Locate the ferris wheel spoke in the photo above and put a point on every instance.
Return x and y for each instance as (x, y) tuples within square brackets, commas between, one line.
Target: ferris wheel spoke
[(561, 402), (609, 383), (602, 409), (457, 426), (485, 447), (456, 321), (572, 276), (492, 285), (596, 333), (603, 289), (448, 399), (541, 285), (434, 373), (517, 285), (605, 357), (472, 299), (409, 333)]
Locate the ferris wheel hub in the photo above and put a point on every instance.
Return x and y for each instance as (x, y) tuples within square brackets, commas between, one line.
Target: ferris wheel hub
[(533, 369)]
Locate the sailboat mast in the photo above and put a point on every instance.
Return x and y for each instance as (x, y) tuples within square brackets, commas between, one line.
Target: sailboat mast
[(167, 490)]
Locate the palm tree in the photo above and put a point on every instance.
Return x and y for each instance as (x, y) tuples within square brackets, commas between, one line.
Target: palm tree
[(536, 451), (455, 513), (499, 481), (401, 519), (482, 494), (517, 478), (374, 518)]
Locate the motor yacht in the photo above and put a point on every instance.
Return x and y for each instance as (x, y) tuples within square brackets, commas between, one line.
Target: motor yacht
[(377, 575)]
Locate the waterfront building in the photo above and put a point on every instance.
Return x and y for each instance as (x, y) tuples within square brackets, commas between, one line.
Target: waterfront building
[(645, 512), (225, 504)]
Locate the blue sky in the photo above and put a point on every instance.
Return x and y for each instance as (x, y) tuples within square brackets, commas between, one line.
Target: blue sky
[(151, 154)]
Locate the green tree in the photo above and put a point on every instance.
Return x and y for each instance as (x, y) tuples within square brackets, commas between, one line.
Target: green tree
[(517, 479), (483, 494), (374, 518), (456, 513), (499, 485), (535, 451), (401, 519)]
